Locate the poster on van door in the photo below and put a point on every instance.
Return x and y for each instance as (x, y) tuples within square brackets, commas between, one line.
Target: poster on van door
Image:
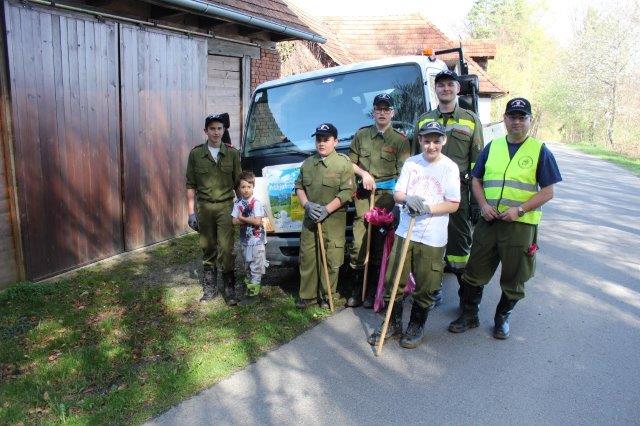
[(286, 213)]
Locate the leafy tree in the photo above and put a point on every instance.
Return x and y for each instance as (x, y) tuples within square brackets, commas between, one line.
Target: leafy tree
[(596, 76), (525, 55)]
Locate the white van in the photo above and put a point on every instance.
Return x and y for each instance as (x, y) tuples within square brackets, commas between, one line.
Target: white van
[(285, 112)]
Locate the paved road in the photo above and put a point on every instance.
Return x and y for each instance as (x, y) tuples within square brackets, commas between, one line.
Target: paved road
[(573, 357)]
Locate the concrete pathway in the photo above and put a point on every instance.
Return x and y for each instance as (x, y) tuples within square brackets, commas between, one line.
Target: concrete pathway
[(573, 357)]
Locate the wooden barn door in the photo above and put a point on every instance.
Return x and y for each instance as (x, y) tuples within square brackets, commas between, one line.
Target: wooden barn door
[(224, 91), (163, 76), (63, 76)]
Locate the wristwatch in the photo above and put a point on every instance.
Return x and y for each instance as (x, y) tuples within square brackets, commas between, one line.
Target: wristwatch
[(521, 211)]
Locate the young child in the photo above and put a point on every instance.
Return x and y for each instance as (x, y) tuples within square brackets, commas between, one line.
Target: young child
[(248, 213), (324, 185), (429, 188)]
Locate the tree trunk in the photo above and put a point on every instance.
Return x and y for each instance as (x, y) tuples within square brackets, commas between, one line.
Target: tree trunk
[(612, 113)]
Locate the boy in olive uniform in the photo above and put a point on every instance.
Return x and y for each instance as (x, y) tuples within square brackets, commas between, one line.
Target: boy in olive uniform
[(377, 152), (212, 170), (429, 187), (324, 185)]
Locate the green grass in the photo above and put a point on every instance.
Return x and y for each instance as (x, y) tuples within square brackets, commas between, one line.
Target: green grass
[(119, 344), (629, 163)]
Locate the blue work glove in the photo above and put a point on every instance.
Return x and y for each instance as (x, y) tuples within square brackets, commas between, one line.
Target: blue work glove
[(416, 205), (309, 207), (193, 222), (320, 214)]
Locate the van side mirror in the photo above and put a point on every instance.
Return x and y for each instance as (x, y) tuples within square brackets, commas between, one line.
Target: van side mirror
[(469, 88)]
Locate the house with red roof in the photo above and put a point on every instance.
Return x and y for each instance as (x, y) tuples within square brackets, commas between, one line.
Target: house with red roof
[(360, 38)]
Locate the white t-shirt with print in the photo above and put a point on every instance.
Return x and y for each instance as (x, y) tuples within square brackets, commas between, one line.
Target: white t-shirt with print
[(250, 235), (435, 182)]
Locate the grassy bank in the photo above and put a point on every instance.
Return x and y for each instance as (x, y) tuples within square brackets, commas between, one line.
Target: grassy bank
[(120, 343), (629, 163)]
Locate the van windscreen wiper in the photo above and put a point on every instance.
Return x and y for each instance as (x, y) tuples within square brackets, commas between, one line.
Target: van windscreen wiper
[(279, 149)]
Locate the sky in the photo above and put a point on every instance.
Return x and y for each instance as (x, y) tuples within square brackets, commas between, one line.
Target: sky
[(560, 19)]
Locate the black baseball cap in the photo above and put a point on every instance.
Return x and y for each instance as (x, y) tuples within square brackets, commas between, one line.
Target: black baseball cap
[(444, 75), (383, 97), (432, 127), (518, 105), (326, 129), (220, 118)]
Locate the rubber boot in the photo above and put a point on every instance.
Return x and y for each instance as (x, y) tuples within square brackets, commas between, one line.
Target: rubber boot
[(356, 288), (501, 319), (412, 338), (395, 325), (229, 280), (471, 297), (438, 298), (372, 285), (209, 285), (242, 295), (460, 287)]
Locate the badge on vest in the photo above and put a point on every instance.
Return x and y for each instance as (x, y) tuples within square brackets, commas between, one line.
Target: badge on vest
[(525, 162)]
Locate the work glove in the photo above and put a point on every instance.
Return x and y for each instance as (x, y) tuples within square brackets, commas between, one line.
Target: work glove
[(396, 217), (474, 213), (320, 214), (193, 222), (416, 205), (309, 207)]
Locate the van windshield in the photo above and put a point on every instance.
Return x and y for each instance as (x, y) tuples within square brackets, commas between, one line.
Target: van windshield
[(283, 118)]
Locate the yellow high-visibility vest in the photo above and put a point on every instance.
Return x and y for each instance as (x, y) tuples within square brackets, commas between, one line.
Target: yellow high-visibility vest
[(509, 182)]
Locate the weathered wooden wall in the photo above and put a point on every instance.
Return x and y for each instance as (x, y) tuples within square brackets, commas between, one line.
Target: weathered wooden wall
[(8, 266), (223, 91), (86, 191), (63, 76), (163, 98)]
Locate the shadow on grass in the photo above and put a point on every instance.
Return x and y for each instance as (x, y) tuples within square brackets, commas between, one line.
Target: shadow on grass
[(117, 344)]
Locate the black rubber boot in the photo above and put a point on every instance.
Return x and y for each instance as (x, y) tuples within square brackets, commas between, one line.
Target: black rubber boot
[(229, 280), (415, 330), (209, 285), (372, 285), (356, 288), (501, 320), (395, 325), (437, 297), (460, 287), (471, 297)]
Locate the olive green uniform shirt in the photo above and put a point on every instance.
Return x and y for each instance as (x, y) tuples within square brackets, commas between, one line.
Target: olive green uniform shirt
[(213, 181), (464, 136), (323, 180), (380, 154)]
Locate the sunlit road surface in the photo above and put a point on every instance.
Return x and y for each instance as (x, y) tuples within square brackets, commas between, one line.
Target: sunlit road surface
[(573, 358)]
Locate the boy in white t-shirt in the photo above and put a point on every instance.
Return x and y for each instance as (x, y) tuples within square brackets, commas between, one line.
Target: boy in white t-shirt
[(429, 189), (248, 212)]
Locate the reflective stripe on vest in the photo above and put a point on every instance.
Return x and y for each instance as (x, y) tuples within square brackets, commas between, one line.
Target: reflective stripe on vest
[(509, 182), (462, 124)]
